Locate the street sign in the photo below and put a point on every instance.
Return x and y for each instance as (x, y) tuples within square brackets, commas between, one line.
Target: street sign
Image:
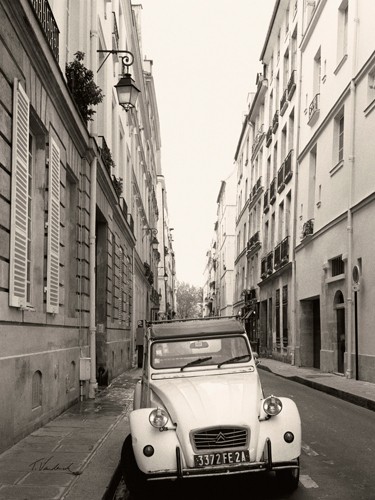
[(356, 275)]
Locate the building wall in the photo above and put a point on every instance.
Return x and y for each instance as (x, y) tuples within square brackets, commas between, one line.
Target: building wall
[(45, 336), (336, 192)]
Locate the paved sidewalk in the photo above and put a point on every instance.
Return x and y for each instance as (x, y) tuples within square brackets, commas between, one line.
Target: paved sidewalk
[(354, 391), (75, 456)]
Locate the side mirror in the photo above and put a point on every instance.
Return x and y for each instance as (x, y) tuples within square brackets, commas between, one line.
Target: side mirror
[(256, 358)]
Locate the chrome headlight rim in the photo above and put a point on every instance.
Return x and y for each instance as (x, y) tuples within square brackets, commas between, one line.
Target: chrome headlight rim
[(272, 406), (158, 418)]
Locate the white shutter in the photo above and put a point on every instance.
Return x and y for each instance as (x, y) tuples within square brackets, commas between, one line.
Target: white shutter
[(53, 244), (19, 201)]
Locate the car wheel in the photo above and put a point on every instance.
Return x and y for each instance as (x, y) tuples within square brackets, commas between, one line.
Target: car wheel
[(288, 478), (134, 478)]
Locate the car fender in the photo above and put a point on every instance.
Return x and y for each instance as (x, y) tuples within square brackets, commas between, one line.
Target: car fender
[(274, 428), (163, 442)]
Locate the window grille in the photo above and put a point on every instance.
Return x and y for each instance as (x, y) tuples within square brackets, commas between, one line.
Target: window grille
[(337, 266)]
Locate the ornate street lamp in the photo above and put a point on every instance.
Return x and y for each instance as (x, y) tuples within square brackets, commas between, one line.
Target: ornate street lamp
[(127, 92)]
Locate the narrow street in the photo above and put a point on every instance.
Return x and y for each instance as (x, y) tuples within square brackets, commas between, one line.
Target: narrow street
[(336, 462)]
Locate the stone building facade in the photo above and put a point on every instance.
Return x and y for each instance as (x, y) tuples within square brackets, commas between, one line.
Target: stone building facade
[(78, 201)]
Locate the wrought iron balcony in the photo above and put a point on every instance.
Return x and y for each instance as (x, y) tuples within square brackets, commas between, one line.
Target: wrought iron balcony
[(277, 262), (282, 253), (308, 228), (284, 102), (263, 268), (266, 206), (280, 179), (285, 250), (291, 84), (115, 33), (288, 167), (269, 136), (257, 140), (314, 110), (270, 263), (48, 23), (131, 222), (275, 121), (273, 191)]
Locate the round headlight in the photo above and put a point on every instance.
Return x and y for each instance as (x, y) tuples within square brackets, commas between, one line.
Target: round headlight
[(158, 418), (272, 406)]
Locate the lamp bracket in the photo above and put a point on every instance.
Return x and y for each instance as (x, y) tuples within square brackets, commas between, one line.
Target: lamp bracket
[(127, 59)]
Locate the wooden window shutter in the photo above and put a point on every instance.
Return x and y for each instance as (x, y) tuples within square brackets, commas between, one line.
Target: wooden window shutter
[(19, 205), (53, 242)]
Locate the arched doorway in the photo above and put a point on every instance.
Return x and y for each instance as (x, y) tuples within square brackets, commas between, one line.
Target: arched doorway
[(339, 306)]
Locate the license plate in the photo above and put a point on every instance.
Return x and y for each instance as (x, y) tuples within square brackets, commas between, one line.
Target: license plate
[(222, 458)]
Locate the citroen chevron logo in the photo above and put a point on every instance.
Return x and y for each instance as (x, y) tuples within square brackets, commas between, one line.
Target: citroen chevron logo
[(220, 438)]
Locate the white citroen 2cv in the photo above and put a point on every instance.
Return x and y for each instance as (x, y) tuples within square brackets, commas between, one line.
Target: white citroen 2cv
[(199, 409)]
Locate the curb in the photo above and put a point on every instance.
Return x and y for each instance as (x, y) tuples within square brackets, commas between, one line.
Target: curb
[(114, 482), (346, 396)]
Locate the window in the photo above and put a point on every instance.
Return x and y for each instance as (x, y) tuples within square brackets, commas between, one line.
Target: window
[(285, 315), (342, 32), (337, 266), (23, 167), (338, 142), (317, 72), (371, 86), (341, 138), (277, 310)]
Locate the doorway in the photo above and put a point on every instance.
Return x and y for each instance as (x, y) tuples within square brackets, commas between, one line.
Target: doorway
[(317, 344), (340, 326)]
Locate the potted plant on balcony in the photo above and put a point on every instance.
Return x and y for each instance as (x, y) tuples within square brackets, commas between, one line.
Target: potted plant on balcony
[(81, 83)]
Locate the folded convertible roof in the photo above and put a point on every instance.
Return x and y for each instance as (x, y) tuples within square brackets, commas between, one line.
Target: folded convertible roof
[(209, 326)]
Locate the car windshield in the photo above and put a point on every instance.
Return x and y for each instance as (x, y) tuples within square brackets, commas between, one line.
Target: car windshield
[(198, 352)]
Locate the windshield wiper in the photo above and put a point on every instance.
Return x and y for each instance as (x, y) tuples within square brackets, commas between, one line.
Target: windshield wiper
[(196, 362), (232, 360)]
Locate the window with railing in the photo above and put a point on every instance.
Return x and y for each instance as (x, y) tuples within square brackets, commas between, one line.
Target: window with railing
[(48, 23), (314, 109), (337, 266), (273, 190)]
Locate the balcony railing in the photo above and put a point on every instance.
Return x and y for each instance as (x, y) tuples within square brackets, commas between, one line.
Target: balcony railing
[(115, 33), (280, 179), (285, 250), (253, 242), (131, 222), (277, 262), (288, 167), (308, 228), (291, 84), (257, 139), (282, 253), (266, 206), (284, 102), (269, 137), (314, 110), (48, 23), (275, 121), (263, 268), (270, 263), (273, 191)]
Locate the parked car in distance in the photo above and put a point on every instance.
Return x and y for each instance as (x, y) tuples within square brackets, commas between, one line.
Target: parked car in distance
[(199, 409)]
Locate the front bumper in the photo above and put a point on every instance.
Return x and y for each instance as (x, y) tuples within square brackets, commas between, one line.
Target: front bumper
[(193, 472)]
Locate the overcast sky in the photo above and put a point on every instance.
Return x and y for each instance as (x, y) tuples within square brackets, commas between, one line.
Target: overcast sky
[(205, 59)]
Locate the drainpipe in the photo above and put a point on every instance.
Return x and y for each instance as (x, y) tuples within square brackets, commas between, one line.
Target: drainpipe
[(92, 328), (297, 361), (352, 109), (92, 270)]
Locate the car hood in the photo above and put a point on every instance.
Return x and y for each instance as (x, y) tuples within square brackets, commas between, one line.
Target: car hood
[(211, 400)]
